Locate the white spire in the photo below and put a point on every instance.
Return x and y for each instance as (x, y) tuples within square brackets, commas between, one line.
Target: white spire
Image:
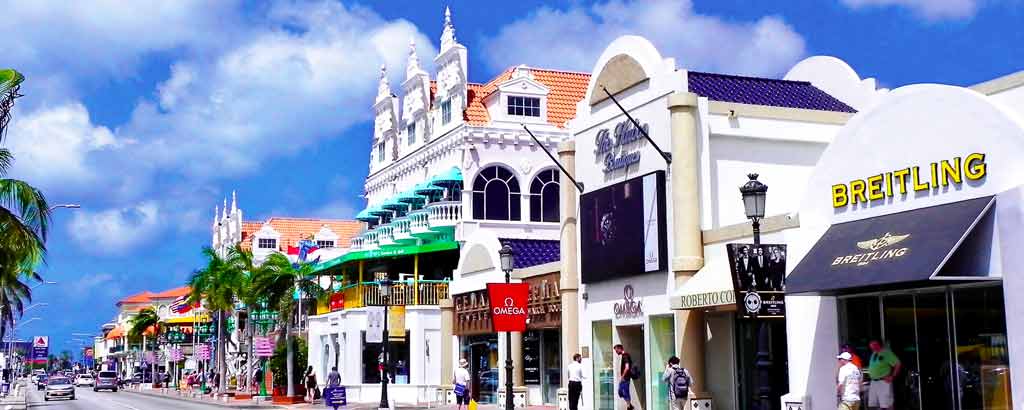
[(413, 66), (234, 203), (216, 214), (383, 89), (225, 210), (448, 35)]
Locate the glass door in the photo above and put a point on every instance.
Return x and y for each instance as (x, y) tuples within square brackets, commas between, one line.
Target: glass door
[(604, 365), (983, 362), (663, 340), (935, 360)]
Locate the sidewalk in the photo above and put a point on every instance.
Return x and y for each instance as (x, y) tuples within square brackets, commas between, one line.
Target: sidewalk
[(205, 399)]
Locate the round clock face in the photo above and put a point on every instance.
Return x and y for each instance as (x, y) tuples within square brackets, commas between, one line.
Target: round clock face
[(752, 302)]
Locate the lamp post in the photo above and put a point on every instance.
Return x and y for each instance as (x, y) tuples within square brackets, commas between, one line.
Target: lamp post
[(385, 292), (753, 193), (508, 257)]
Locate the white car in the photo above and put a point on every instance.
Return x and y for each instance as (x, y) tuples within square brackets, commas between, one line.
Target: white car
[(85, 380)]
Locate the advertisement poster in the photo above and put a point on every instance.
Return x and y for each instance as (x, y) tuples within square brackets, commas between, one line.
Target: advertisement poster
[(375, 324), (40, 349), (759, 277), (613, 218), (396, 322)]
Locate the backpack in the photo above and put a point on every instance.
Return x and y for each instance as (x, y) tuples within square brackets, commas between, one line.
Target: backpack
[(681, 384), (634, 372)]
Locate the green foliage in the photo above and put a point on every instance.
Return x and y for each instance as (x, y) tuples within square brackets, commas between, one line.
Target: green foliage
[(143, 320), (278, 362), (9, 79)]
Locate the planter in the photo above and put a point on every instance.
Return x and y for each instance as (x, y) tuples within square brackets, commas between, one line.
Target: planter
[(288, 400)]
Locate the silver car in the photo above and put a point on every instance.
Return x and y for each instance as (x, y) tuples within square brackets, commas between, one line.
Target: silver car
[(59, 387)]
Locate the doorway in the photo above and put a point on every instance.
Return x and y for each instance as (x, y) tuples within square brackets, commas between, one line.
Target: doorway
[(631, 337), (482, 353), (951, 343)]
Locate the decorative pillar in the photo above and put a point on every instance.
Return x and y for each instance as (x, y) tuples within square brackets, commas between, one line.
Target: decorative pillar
[(688, 246), (568, 285), (446, 394)]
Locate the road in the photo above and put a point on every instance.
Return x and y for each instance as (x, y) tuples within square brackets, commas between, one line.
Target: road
[(86, 399)]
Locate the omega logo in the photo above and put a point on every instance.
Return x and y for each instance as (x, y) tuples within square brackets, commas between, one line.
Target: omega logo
[(630, 307), (509, 309)]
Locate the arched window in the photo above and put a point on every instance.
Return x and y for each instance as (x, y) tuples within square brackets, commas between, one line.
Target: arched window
[(544, 197), (496, 195)]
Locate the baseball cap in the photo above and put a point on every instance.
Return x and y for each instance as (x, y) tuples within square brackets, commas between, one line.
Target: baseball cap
[(845, 356)]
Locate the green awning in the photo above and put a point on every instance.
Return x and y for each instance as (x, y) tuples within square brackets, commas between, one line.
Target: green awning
[(427, 189), (366, 216), (393, 204), (411, 198), (378, 211), (388, 252), (453, 176)]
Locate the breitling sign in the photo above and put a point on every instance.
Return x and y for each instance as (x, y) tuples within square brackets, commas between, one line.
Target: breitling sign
[(881, 248), (934, 176)]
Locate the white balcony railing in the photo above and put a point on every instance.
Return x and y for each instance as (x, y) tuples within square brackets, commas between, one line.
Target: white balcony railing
[(419, 222), (444, 214), (402, 229), (356, 243), (385, 235), (370, 240)]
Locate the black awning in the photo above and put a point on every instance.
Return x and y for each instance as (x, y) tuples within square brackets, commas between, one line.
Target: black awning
[(892, 249)]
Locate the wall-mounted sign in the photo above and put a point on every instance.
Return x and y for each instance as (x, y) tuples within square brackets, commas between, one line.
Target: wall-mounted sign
[(622, 229), (508, 306), (699, 300), (337, 301), (617, 147), (396, 322), (375, 324), (471, 313), (935, 176), (759, 277), (630, 307), (545, 306)]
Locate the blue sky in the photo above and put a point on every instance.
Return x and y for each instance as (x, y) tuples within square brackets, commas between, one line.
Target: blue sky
[(150, 114)]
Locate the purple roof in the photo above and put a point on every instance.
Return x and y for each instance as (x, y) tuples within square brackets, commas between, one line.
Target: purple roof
[(763, 91), (532, 252)]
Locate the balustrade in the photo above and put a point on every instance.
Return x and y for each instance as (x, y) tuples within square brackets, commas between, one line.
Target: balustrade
[(444, 214)]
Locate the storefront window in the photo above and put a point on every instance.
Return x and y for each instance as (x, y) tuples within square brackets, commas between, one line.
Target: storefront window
[(604, 363), (482, 353), (663, 340), (983, 361), (398, 356), (542, 362)]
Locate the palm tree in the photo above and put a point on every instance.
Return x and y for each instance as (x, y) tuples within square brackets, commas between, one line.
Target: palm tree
[(146, 319), (219, 284), (276, 282), (24, 220)]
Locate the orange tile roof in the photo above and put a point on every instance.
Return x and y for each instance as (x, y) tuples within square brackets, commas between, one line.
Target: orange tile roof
[(137, 298), (293, 230), (566, 88), (115, 333), (172, 293)]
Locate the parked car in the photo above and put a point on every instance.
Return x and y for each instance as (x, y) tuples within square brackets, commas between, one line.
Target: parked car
[(41, 381), (85, 380), (59, 387), (106, 381)]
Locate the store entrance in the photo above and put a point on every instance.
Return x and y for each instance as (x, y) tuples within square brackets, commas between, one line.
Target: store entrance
[(632, 339), (951, 343)]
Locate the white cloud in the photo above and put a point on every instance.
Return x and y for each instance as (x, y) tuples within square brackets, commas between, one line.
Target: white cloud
[(52, 146), (574, 38), (95, 286), (338, 209), (929, 9), (113, 231)]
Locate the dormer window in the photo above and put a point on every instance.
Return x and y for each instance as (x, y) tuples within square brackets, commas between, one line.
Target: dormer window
[(267, 243), (324, 244), (380, 152), (446, 112), (410, 130), (524, 106)]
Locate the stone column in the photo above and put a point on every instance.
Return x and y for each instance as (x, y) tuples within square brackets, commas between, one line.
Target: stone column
[(518, 385), (688, 246), (445, 394), (569, 279)]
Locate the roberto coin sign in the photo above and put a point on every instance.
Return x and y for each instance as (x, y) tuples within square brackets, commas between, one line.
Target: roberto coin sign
[(759, 277), (508, 306)]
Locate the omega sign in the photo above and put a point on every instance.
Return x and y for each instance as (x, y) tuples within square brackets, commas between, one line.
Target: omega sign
[(630, 307), (508, 306), (611, 147)]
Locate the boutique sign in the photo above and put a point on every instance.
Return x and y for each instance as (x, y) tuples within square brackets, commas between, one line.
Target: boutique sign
[(630, 307), (508, 306), (616, 147)]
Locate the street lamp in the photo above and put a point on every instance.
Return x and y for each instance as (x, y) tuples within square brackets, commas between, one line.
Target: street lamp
[(66, 206), (753, 193), (45, 282), (385, 292), (508, 257)]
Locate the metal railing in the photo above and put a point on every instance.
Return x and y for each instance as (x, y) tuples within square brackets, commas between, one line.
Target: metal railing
[(407, 293)]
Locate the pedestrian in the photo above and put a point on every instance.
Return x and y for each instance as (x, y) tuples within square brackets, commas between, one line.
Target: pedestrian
[(883, 367), (257, 379), (627, 373), (575, 381), (848, 383), (461, 382), (334, 378), (853, 354), (679, 382), (310, 383)]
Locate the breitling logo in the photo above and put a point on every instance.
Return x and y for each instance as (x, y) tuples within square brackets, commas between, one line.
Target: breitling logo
[(877, 253)]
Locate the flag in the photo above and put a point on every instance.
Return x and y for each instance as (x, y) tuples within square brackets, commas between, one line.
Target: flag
[(180, 305), (305, 248)]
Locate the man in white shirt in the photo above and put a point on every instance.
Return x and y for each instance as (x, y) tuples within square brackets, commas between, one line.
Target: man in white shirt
[(575, 381), (848, 386)]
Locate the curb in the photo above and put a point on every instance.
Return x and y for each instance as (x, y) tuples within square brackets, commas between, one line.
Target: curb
[(208, 402)]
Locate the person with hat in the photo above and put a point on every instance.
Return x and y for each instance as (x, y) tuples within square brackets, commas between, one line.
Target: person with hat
[(848, 386), (461, 382)]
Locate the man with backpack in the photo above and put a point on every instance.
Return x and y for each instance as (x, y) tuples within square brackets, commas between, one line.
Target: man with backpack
[(679, 382), (627, 373)]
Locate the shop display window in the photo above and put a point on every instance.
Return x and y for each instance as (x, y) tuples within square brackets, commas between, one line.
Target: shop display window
[(398, 356), (663, 337), (604, 365)]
